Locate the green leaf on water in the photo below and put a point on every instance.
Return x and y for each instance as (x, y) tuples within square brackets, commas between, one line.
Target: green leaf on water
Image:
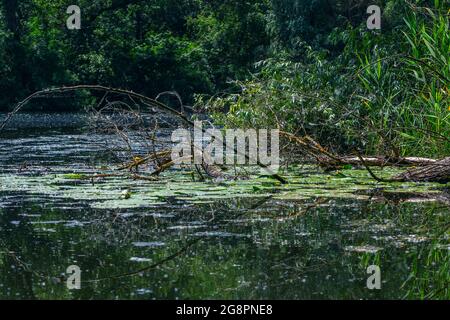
[(74, 176), (340, 175), (256, 189)]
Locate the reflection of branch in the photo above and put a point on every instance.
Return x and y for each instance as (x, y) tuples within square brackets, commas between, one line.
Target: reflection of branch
[(26, 267), (153, 266), (179, 252), (305, 210)]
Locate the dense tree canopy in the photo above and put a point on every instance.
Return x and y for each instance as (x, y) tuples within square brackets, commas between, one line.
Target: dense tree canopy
[(192, 46), (149, 46)]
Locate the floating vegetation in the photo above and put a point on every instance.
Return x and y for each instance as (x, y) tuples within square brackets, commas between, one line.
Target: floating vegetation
[(252, 238), (306, 182)]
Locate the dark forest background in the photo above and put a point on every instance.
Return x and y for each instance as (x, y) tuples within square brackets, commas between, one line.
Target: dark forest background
[(191, 46), (307, 66)]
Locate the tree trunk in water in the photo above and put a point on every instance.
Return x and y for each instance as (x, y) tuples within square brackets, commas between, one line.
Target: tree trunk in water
[(436, 172)]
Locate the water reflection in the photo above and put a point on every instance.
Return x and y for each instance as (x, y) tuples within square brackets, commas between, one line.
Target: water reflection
[(320, 254), (254, 247)]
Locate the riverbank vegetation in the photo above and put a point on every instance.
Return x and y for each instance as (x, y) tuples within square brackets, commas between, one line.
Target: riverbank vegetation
[(309, 68), (384, 92)]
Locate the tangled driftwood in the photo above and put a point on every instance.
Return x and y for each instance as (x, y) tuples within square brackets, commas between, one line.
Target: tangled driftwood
[(426, 169), (159, 157)]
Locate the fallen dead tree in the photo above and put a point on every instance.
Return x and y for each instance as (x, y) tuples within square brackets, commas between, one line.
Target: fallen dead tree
[(330, 160), (381, 161), (161, 159), (380, 194), (436, 172), (425, 169)]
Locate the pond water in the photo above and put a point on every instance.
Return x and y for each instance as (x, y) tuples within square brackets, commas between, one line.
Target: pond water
[(177, 238)]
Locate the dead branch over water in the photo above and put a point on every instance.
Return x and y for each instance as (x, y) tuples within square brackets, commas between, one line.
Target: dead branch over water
[(149, 103), (424, 169)]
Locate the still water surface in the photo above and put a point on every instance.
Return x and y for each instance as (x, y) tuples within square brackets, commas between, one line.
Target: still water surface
[(179, 239)]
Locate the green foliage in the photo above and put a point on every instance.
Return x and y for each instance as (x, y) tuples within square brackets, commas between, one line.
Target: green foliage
[(405, 85), (387, 93), (191, 46), (319, 71), (232, 33)]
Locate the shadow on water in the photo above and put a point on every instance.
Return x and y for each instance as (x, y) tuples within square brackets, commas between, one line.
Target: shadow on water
[(264, 245)]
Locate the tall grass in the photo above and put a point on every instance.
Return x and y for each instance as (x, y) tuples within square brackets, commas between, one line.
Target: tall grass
[(387, 92), (429, 62), (410, 103)]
